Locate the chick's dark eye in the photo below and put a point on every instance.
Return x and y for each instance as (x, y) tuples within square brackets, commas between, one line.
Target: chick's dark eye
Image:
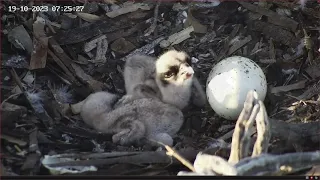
[(172, 71), (168, 74)]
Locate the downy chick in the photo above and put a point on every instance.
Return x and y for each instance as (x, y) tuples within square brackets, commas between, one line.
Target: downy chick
[(176, 81), (169, 78), (132, 120), (96, 104), (139, 74)]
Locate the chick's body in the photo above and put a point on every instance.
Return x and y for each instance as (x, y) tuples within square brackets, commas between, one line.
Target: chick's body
[(133, 119)]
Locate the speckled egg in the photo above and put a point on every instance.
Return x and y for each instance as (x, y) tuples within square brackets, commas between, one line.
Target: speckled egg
[(229, 82)]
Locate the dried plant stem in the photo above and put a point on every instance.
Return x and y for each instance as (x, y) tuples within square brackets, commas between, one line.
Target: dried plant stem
[(185, 162), (171, 152)]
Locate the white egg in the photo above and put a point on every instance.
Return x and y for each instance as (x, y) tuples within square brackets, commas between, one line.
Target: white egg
[(229, 82)]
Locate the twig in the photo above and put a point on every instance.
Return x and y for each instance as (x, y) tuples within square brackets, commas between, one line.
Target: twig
[(155, 19), (96, 155), (171, 152), (63, 67), (159, 157), (61, 54), (227, 135), (185, 162)]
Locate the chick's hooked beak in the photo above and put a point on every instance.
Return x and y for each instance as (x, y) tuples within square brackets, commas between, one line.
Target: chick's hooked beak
[(186, 71)]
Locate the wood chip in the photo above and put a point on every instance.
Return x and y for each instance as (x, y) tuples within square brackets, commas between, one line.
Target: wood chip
[(14, 140), (273, 17), (62, 59), (93, 43), (102, 47), (11, 113), (124, 33), (144, 49), (313, 71), (33, 141), (82, 60), (122, 46), (177, 37), (88, 17), (83, 33), (2, 170), (32, 160), (313, 90), (20, 38), (267, 61), (239, 44), (276, 33), (295, 86), (197, 26), (93, 84), (40, 45), (70, 76), (128, 9), (28, 78)]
